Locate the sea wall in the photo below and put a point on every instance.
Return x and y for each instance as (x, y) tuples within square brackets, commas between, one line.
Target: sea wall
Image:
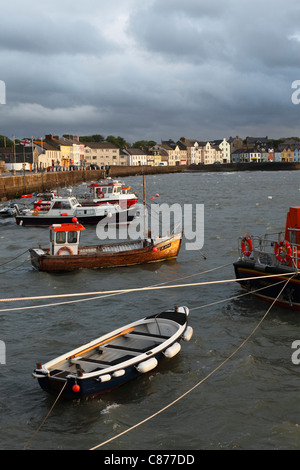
[(264, 166), (13, 187), (119, 171)]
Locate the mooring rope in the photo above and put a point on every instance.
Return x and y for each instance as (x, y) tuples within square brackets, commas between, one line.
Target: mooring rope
[(12, 259), (15, 267), (222, 281), (199, 383), (109, 295), (195, 386), (48, 414), (254, 291)]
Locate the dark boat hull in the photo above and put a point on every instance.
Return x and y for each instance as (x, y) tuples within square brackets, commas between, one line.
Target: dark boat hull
[(46, 221), (270, 287), (164, 251), (89, 387)]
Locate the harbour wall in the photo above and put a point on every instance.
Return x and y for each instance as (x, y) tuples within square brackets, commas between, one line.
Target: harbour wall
[(13, 187), (263, 166)]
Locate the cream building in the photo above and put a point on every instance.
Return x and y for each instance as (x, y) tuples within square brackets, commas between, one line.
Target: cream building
[(102, 154), (169, 151), (48, 156)]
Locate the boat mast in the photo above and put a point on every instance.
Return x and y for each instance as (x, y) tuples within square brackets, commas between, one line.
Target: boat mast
[(145, 217)]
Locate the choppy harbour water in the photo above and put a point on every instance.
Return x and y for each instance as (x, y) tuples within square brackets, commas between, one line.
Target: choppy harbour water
[(249, 403)]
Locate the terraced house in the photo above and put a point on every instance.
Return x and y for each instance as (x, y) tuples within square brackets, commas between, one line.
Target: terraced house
[(69, 151), (102, 154)]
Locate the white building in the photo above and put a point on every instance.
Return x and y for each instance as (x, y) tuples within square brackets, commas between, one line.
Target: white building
[(135, 157), (224, 146)]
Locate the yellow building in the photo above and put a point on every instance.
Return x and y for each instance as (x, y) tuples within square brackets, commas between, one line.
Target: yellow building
[(287, 155)]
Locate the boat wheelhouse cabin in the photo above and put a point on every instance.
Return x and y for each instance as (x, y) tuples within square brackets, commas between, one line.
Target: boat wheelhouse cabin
[(64, 238), (266, 262), (110, 191)]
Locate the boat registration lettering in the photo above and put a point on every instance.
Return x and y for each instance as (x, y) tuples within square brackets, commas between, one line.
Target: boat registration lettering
[(165, 247)]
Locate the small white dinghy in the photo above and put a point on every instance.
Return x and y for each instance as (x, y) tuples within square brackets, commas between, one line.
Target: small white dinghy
[(117, 357)]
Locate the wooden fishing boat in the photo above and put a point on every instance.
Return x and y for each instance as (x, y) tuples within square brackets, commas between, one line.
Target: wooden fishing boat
[(65, 253), (272, 254), (117, 357), (64, 209)]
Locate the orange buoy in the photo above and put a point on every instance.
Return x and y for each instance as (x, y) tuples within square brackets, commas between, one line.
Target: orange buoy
[(283, 251), (75, 388)]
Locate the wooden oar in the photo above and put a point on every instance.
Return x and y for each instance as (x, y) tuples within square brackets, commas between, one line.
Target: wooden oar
[(103, 342)]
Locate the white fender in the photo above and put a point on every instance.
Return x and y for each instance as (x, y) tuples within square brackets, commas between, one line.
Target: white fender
[(172, 350), (119, 373), (188, 333), (145, 366), (104, 378)]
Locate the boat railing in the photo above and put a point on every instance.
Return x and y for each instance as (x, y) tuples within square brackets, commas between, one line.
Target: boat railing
[(263, 251)]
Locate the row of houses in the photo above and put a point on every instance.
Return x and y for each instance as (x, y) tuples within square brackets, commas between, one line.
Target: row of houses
[(68, 152)]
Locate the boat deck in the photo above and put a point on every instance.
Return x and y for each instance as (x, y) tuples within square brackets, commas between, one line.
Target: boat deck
[(113, 248), (115, 352)]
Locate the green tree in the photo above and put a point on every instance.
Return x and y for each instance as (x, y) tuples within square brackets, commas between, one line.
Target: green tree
[(92, 138), (144, 144), (117, 141), (5, 141)]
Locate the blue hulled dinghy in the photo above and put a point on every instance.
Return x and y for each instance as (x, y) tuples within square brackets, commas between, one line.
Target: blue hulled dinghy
[(117, 357)]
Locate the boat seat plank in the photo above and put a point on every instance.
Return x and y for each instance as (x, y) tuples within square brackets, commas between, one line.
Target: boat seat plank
[(82, 360), (147, 336), (135, 350)]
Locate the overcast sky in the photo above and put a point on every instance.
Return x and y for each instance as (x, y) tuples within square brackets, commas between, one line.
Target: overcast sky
[(150, 69)]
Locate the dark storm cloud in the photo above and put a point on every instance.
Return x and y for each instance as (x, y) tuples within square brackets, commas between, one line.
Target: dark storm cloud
[(153, 69), (46, 38)]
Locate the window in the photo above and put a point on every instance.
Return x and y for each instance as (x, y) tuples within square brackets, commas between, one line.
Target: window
[(61, 205), (72, 237), (60, 237)]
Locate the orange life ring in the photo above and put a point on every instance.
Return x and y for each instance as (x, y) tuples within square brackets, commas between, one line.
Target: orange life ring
[(283, 251), (100, 193), (247, 246), (65, 248), (35, 212)]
